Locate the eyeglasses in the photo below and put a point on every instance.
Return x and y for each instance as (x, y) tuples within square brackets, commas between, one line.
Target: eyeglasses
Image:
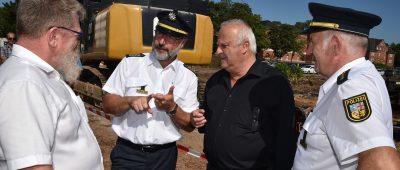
[(78, 34), (168, 38), (10, 38)]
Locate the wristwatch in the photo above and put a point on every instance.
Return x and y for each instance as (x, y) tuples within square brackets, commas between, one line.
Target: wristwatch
[(173, 111)]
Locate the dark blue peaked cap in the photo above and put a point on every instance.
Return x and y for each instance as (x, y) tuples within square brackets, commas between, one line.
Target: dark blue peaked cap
[(170, 23), (341, 19)]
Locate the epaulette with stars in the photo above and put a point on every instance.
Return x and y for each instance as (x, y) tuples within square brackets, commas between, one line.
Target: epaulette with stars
[(343, 77), (135, 55)]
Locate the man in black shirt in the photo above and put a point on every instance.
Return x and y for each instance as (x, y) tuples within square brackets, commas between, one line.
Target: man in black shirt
[(248, 111)]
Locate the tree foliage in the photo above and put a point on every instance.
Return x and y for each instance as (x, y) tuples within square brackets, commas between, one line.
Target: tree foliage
[(293, 73), (226, 10), (7, 18), (302, 25), (283, 38)]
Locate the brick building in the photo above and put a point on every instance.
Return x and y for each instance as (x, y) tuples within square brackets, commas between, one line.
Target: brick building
[(378, 52)]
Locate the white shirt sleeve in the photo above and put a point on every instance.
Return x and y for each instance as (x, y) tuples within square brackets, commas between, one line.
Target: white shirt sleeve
[(350, 138), (188, 101), (27, 125), (116, 82)]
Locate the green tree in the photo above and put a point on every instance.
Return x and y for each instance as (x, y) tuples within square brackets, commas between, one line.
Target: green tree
[(7, 18), (226, 9), (283, 39), (302, 25)]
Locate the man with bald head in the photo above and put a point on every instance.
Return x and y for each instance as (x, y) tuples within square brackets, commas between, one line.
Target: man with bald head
[(248, 112)]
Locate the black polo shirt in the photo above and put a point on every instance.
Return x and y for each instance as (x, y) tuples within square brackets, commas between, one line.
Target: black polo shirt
[(249, 125)]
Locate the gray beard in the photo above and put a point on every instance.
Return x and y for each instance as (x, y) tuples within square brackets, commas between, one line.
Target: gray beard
[(171, 55), (69, 68), (167, 56)]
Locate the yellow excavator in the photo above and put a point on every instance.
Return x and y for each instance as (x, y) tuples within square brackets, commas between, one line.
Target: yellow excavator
[(114, 29)]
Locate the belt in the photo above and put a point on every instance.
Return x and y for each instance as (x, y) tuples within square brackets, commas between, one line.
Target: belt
[(145, 148)]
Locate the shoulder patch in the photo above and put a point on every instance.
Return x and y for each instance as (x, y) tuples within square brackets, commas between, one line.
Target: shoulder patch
[(135, 55), (357, 108), (343, 77)]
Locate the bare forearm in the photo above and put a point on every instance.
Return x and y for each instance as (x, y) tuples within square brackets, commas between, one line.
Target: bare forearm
[(114, 104), (182, 120), (385, 158)]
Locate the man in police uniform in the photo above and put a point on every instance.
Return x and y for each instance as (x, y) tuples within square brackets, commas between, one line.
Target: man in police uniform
[(151, 96), (351, 125)]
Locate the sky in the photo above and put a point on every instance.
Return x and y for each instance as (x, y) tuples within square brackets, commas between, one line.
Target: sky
[(292, 11)]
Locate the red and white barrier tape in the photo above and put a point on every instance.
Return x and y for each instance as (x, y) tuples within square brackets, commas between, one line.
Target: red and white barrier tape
[(185, 149), (191, 151)]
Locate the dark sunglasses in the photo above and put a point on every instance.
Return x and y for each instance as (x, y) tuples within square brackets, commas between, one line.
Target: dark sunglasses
[(12, 38), (78, 34)]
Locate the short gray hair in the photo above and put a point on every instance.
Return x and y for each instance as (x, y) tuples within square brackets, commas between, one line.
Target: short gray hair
[(353, 41), (243, 34), (34, 17)]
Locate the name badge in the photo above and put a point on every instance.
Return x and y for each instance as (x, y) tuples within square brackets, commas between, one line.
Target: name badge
[(142, 90)]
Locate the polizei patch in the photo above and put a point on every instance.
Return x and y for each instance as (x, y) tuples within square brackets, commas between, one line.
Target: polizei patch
[(357, 108)]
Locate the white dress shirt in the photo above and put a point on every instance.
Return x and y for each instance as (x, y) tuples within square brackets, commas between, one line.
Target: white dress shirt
[(135, 73), (332, 140), (42, 122)]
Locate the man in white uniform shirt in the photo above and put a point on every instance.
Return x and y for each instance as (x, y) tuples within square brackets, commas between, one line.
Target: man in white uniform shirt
[(43, 124), (151, 96), (351, 125)]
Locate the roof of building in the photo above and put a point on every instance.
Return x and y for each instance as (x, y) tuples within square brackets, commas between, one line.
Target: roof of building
[(373, 43)]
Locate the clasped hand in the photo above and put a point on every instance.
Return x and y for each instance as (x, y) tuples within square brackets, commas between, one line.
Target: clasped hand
[(162, 101)]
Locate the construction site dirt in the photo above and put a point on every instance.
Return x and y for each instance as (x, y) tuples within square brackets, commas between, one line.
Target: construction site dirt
[(305, 94)]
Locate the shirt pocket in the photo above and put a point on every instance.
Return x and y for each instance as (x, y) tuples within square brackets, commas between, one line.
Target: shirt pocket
[(247, 122), (315, 135), (137, 87)]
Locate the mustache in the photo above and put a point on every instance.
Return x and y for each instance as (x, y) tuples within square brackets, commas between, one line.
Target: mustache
[(160, 47)]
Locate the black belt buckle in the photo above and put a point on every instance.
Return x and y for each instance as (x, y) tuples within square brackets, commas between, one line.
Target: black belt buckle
[(147, 148)]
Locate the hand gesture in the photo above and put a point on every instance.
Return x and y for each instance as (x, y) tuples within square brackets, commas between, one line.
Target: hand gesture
[(165, 102), (140, 103), (197, 118)]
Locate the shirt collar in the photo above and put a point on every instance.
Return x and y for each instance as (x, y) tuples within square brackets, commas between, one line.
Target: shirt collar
[(256, 69), (25, 54), (332, 80)]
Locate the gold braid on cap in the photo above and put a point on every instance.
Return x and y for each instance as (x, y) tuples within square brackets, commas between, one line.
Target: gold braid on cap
[(172, 28), (324, 24)]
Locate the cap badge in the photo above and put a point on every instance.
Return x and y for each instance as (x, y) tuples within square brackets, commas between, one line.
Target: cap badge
[(357, 108), (172, 16)]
